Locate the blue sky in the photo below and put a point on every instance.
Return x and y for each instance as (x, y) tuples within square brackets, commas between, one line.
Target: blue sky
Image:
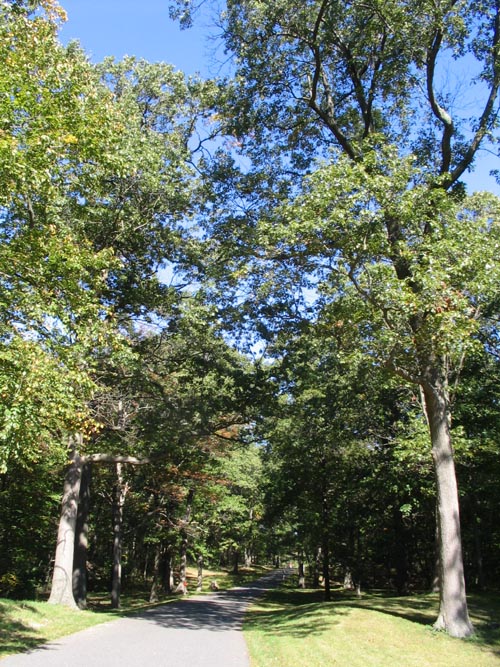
[(139, 28), (144, 29)]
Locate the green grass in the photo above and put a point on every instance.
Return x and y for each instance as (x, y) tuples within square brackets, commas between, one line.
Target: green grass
[(226, 580), (25, 624), (291, 627)]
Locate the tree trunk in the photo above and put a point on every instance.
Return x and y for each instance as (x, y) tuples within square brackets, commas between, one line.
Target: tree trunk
[(121, 490), (62, 578), (436, 579), (302, 577), (326, 568), (478, 553), (183, 554), (155, 586), (477, 569), (348, 582), (248, 547), (236, 560), (199, 585), (81, 539), (359, 569), (325, 512), (453, 613), (317, 568), (168, 575), (184, 541), (400, 552)]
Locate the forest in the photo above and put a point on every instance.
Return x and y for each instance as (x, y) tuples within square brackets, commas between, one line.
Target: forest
[(254, 318)]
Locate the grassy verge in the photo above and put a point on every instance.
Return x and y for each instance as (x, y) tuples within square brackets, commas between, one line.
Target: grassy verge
[(291, 627), (25, 624)]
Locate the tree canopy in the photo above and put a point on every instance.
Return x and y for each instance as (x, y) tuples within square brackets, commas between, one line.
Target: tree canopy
[(251, 317)]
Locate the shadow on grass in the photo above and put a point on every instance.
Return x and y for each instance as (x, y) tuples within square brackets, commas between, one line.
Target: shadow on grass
[(286, 612), (415, 608), (300, 613), (16, 635), (484, 611)]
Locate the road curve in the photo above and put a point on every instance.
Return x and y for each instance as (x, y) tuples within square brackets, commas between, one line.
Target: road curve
[(200, 631)]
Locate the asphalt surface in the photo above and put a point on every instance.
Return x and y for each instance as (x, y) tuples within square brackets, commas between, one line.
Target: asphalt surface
[(199, 631)]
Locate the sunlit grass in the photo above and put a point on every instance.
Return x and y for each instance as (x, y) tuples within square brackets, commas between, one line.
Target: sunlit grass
[(292, 627), (26, 624)]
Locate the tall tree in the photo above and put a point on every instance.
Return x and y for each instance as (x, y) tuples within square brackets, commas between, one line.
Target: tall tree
[(322, 74), (418, 324), (53, 320), (96, 174)]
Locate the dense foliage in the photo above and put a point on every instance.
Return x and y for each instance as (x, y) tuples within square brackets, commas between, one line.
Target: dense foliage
[(236, 313)]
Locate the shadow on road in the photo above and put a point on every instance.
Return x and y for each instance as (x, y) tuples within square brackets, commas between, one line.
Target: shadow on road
[(218, 612)]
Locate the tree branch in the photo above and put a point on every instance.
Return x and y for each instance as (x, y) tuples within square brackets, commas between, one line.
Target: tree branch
[(401, 372), (489, 115), (328, 117), (371, 92), (440, 113), (116, 458)]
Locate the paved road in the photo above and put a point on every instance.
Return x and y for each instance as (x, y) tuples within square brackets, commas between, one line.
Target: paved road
[(203, 631)]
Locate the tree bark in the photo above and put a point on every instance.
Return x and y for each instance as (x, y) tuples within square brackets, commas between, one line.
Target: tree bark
[(248, 547), (436, 579), (453, 613), (168, 579), (302, 577), (62, 578), (400, 552), (348, 582), (478, 553), (81, 540), (236, 560), (199, 585), (325, 512), (63, 575), (183, 555), (326, 568), (155, 586), (121, 490), (317, 565)]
